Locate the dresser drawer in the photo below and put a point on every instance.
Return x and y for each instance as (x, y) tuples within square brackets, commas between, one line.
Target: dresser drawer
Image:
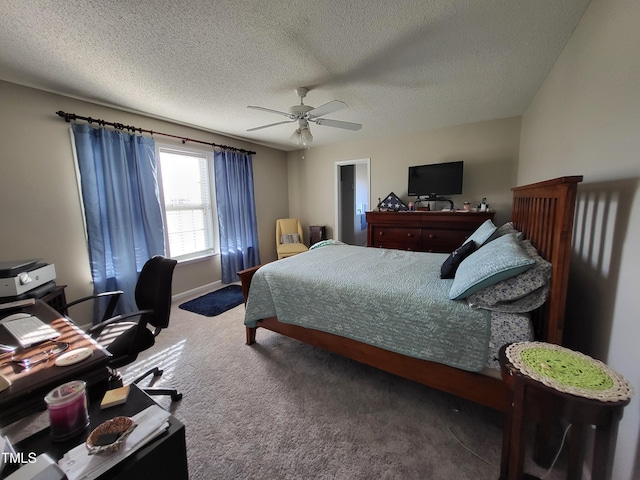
[(444, 241), (440, 232), (410, 247), (396, 235)]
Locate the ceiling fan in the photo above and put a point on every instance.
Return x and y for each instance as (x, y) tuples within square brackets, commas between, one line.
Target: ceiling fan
[(303, 114)]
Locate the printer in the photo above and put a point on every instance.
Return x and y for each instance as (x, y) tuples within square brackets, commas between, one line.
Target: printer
[(25, 278)]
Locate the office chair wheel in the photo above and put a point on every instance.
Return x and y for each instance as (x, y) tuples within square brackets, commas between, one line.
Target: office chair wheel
[(176, 397), (157, 372)]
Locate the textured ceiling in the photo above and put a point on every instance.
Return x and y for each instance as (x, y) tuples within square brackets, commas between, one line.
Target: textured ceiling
[(401, 66)]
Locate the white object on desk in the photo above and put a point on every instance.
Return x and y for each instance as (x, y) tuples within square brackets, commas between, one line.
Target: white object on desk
[(4, 382), (27, 329), (72, 357), (6, 450), (19, 283), (42, 467), (17, 304)]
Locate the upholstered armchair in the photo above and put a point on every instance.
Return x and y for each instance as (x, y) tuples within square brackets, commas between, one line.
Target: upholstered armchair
[(289, 238)]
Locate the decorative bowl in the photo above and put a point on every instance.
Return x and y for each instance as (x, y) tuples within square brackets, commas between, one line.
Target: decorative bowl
[(121, 426)]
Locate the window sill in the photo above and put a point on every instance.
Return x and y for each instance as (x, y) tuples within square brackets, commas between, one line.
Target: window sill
[(199, 258)]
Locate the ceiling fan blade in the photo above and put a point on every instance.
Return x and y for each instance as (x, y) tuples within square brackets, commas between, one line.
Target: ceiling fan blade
[(271, 111), (337, 124), (270, 125), (330, 107)]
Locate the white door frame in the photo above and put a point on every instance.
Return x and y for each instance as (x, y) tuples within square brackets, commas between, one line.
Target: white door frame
[(336, 188)]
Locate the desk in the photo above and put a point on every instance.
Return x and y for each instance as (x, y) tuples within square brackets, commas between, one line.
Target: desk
[(163, 457), (26, 394)]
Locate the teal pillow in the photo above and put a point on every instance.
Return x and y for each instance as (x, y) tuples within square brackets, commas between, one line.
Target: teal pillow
[(483, 234), (498, 260)]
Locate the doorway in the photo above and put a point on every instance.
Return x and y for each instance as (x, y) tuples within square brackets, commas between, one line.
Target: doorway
[(352, 186)]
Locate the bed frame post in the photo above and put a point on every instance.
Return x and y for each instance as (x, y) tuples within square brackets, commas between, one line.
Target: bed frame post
[(251, 335), (245, 280)]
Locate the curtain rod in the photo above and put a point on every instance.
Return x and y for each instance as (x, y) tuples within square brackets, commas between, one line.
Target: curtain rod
[(119, 126)]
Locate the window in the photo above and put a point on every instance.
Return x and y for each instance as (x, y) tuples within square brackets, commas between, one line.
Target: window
[(186, 187)]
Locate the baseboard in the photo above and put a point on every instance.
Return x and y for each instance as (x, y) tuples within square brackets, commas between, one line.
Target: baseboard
[(179, 297)]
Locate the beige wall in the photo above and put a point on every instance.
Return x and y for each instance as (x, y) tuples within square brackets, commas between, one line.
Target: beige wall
[(39, 199), (489, 150), (586, 120)]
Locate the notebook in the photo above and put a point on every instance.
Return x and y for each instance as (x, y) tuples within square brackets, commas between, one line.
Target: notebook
[(27, 329)]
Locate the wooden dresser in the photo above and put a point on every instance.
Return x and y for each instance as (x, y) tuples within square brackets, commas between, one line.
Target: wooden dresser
[(422, 231)]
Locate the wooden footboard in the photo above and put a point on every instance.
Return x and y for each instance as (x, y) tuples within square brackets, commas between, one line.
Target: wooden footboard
[(476, 387)]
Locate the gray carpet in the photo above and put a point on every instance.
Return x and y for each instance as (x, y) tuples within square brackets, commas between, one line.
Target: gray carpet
[(285, 410)]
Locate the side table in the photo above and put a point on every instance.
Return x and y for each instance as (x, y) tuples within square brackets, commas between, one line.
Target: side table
[(317, 233), (548, 381)]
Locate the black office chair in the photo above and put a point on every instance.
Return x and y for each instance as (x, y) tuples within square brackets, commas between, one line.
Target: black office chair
[(124, 339)]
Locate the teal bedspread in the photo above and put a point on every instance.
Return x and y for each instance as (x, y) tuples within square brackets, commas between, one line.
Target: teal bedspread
[(388, 298)]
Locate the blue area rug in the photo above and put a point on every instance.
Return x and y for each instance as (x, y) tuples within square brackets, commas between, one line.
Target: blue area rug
[(215, 303)]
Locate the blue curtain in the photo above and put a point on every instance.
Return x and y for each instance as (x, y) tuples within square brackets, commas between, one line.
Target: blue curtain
[(118, 176), (236, 213)]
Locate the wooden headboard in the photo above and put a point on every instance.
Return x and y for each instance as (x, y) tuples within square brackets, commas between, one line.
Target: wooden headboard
[(544, 213)]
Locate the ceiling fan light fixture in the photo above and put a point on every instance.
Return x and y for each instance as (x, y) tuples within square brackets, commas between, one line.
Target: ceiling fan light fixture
[(306, 137), (296, 137)]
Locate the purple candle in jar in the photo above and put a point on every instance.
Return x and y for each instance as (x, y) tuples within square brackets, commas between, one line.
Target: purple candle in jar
[(67, 406)]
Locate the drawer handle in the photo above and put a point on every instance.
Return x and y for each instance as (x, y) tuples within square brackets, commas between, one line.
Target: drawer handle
[(380, 233), (409, 234), (431, 235)]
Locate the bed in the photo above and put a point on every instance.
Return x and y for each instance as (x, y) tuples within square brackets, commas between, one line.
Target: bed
[(542, 212)]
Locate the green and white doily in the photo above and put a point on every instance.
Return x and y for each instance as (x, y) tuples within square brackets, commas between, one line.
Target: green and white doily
[(569, 371)]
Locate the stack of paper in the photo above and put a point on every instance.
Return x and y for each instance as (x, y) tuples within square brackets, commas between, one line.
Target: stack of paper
[(78, 464)]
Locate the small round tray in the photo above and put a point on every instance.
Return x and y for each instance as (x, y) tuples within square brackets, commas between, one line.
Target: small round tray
[(568, 371), (121, 425)]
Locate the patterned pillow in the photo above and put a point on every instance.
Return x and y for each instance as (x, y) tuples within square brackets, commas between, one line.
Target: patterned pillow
[(508, 228), (522, 293), (290, 238), (496, 261)]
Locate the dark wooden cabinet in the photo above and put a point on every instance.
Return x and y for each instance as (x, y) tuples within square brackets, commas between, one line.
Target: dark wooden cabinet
[(317, 233), (57, 299), (422, 231)]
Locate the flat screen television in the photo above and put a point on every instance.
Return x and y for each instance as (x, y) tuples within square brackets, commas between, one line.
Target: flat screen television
[(435, 180)]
